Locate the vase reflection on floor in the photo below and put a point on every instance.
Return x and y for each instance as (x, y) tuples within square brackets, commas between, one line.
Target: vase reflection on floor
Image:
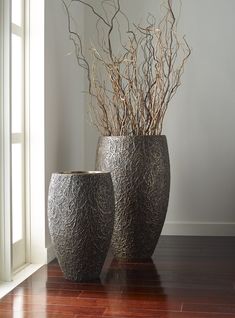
[(134, 275)]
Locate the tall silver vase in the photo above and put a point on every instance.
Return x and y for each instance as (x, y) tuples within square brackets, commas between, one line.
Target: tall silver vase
[(81, 217), (140, 171)]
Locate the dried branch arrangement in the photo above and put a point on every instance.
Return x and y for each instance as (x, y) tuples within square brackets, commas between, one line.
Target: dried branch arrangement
[(131, 87)]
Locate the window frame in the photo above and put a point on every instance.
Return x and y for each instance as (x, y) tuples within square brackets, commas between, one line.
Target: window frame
[(5, 141), (19, 247), (37, 253)]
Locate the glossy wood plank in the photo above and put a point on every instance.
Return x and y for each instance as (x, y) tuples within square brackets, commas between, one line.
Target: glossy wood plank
[(170, 315), (172, 297), (111, 304), (50, 308), (39, 314), (188, 277), (209, 308)]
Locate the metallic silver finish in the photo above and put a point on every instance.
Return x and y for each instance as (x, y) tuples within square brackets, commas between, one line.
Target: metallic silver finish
[(140, 171), (81, 217)]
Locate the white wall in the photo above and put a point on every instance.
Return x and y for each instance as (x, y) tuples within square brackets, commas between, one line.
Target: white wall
[(200, 121), (64, 100), (200, 124)]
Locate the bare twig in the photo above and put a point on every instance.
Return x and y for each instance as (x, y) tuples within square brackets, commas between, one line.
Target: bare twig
[(131, 89)]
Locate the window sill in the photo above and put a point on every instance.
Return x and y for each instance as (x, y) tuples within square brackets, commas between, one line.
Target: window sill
[(19, 277)]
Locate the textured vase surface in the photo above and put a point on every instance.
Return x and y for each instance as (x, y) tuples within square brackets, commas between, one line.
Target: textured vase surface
[(81, 218), (140, 171)]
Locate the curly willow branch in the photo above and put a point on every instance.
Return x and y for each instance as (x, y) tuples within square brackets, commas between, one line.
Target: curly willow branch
[(131, 89)]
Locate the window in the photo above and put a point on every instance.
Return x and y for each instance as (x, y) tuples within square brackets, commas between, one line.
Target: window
[(5, 145), (12, 138), (22, 153), (18, 132)]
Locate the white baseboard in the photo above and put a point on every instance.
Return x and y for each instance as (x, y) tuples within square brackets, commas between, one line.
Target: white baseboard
[(50, 254), (199, 229), (182, 228)]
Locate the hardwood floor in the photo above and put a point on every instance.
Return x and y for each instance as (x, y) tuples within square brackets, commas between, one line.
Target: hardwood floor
[(189, 277)]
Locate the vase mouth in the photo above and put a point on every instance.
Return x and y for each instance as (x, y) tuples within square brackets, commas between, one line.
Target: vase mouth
[(81, 173), (133, 136)]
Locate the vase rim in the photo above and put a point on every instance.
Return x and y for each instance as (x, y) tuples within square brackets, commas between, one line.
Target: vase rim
[(81, 173), (133, 136)]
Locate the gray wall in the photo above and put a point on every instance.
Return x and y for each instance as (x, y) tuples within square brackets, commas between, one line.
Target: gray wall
[(64, 100), (199, 124)]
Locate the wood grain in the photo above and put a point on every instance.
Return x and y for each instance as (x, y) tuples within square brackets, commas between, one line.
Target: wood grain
[(188, 277)]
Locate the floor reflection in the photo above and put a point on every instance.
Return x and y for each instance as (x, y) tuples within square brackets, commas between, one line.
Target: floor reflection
[(139, 286), (130, 274), (179, 282)]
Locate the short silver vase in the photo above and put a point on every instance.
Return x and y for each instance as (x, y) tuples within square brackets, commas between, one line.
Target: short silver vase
[(81, 218), (140, 172)]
